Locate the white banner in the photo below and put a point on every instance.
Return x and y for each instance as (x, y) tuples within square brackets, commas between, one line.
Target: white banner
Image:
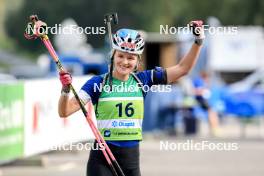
[(43, 126), (237, 52)]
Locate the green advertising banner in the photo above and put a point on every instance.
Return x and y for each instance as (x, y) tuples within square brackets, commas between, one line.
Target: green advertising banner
[(11, 121)]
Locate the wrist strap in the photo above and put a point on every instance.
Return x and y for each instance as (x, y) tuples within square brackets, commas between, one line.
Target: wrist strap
[(66, 89), (198, 41), (65, 94)]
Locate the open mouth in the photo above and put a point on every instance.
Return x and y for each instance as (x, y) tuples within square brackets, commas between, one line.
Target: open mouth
[(124, 67)]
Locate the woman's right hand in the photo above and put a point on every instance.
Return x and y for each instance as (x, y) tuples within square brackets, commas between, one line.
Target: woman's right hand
[(66, 80)]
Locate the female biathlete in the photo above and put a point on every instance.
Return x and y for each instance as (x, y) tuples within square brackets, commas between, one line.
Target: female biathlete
[(119, 112)]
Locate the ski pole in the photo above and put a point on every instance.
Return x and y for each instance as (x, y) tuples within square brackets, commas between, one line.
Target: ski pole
[(108, 19), (38, 30)]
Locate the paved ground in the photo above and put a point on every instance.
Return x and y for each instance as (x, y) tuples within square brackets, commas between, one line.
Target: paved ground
[(183, 157), (247, 160)]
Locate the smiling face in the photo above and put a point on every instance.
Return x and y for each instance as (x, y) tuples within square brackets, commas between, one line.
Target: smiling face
[(124, 63)]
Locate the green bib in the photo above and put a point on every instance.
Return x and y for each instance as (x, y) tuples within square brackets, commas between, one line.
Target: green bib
[(120, 111)]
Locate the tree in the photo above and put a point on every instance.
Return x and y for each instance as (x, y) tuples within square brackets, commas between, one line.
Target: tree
[(138, 14)]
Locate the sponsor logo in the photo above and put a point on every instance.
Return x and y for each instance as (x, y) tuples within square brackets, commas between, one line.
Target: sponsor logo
[(128, 45), (126, 133), (114, 123), (123, 124), (107, 133), (126, 124)]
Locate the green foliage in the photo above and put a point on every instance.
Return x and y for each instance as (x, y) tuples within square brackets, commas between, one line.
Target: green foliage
[(138, 14)]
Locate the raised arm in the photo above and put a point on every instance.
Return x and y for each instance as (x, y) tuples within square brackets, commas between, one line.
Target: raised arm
[(189, 60)]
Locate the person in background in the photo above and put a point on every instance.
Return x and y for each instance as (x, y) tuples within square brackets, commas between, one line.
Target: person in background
[(202, 95)]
